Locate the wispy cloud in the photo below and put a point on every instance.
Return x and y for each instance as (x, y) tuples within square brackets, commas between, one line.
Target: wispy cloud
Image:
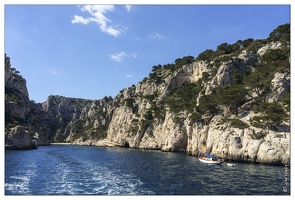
[(119, 56), (156, 36), (54, 72), (129, 76), (134, 55), (98, 15), (79, 19), (128, 7)]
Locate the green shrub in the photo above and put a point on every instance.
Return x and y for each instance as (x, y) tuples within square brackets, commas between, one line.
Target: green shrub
[(151, 97), (195, 117), (99, 133), (133, 129), (12, 95), (134, 121), (129, 102), (237, 123), (177, 120), (281, 33), (286, 100), (146, 123), (206, 55), (270, 121), (259, 135), (183, 98)]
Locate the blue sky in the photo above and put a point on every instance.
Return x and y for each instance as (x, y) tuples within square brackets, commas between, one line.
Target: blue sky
[(92, 51)]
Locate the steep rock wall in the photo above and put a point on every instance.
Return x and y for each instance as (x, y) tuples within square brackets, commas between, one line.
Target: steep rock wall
[(179, 133)]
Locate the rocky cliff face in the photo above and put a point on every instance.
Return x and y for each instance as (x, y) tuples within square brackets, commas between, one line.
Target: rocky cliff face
[(19, 133), (18, 138), (225, 104), (177, 132)]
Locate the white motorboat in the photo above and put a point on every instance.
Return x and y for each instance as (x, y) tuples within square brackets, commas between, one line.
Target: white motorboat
[(208, 159), (230, 164)]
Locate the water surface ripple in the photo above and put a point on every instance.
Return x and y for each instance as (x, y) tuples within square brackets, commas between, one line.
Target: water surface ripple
[(88, 170)]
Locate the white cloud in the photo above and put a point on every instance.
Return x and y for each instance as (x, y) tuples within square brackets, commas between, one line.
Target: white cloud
[(93, 9), (156, 36), (129, 76), (119, 56), (98, 16), (128, 7), (54, 72), (110, 30), (78, 19)]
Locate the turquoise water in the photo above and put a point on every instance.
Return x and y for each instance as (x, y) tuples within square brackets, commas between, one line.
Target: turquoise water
[(89, 170)]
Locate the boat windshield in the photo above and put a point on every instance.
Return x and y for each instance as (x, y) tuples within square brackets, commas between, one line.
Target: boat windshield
[(209, 156)]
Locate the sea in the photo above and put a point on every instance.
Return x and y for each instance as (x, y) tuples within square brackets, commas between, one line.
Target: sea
[(114, 171)]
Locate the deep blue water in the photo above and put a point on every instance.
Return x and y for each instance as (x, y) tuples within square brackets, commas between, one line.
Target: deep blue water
[(81, 170)]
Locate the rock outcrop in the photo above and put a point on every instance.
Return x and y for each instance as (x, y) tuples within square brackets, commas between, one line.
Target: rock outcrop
[(18, 138), (280, 85)]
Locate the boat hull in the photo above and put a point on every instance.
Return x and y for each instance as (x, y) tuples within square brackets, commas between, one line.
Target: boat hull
[(215, 162)]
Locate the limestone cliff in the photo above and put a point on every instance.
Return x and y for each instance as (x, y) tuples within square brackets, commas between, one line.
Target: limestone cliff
[(238, 130), (149, 123), (233, 102), (19, 132)]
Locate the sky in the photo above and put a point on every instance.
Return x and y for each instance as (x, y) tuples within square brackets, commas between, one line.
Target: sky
[(91, 51)]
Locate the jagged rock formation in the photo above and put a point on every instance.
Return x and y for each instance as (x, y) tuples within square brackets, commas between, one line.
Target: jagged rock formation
[(17, 112), (233, 102)]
